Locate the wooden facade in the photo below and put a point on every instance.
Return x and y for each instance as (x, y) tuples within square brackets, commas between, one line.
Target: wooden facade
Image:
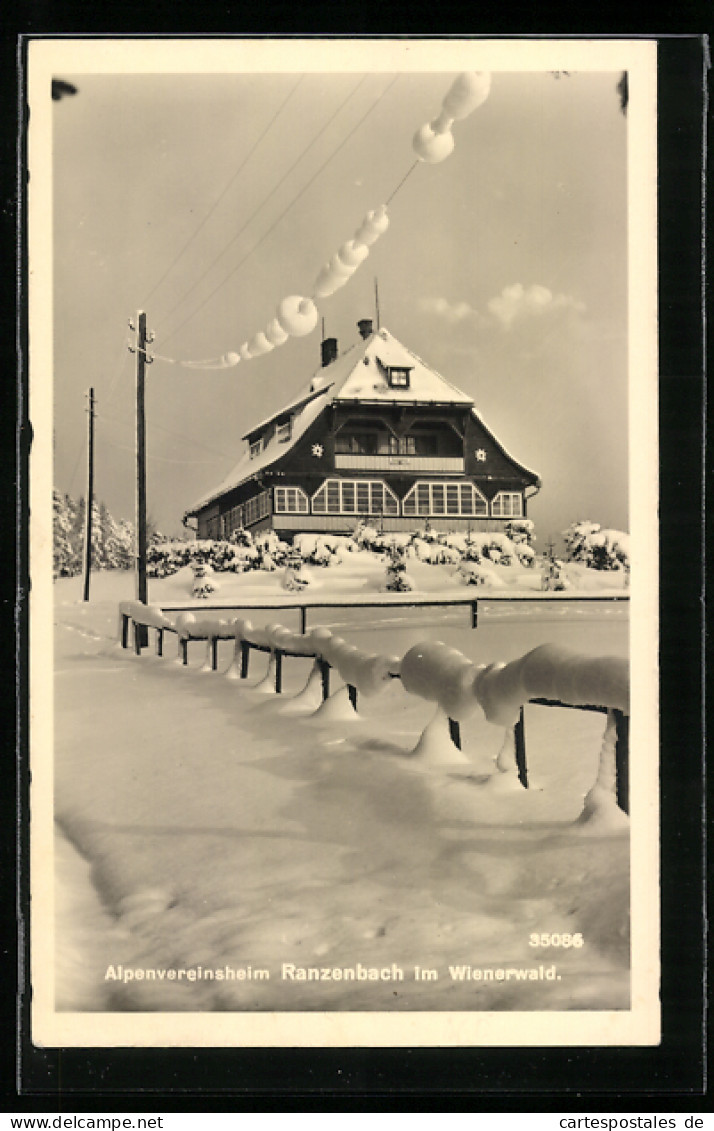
[(377, 435)]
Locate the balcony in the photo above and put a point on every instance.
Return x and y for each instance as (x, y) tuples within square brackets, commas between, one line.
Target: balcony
[(435, 465)]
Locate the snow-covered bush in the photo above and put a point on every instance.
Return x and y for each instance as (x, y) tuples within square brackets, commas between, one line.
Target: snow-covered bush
[(315, 549), (520, 530), (203, 580), (526, 555), (296, 576), (554, 578), (598, 549), (475, 573), (397, 579), (435, 552), (489, 546)]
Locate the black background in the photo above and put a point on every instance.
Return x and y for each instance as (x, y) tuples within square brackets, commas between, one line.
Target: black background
[(668, 1078)]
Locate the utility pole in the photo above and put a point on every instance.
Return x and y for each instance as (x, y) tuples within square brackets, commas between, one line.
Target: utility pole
[(141, 362), (376, 300), (89, 503)]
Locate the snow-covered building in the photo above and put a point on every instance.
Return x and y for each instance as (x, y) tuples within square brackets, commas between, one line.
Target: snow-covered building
[(376, 434)]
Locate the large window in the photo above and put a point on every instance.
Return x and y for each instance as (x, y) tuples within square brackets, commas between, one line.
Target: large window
[(426, 498), (290, 500), (507, 504), (361, 443), (256, 508), (244, 514), (354, 496)]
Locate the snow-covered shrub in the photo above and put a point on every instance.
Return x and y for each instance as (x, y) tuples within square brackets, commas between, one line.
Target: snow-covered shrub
[(526, 555), (475, 573), (489, 546), (397, 579), (554, 577), (598, 549), (166, 558), (296, 576), (520, 530), (577, 540), (203, 580), (315, 549), (271, 551), (366, 537)]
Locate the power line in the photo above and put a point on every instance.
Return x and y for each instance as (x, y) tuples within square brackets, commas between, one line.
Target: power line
[(170, 432), (221, 196), (164, 459), (262, 204), (284, 212)]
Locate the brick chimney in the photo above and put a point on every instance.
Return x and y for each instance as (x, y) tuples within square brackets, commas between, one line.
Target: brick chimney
[(328, 349), (365, 327)]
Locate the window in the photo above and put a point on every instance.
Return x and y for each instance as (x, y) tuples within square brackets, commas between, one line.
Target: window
[(398, 376), (444, 499), (284, 431), (290, 500), (507, 504), (402, 446), (255, 447), (256, 508), (354, 496), (359, 443)]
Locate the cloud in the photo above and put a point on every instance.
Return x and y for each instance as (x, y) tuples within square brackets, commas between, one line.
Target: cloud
[(517, 302), (451, 312)]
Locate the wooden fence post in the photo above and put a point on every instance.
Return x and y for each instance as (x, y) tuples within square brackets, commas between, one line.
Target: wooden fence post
[(622, 760), (325, 675), (244, 658), (455, 733), (519, 734)]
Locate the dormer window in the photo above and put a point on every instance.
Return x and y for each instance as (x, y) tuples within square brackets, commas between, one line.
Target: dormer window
[(255, 447), (398, 376), (284, 430)]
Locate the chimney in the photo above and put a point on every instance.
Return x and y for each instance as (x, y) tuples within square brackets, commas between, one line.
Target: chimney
[(328, 348), (365, 327)]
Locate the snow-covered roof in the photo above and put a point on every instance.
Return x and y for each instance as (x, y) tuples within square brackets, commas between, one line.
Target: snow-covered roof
[(359, 374), (366, 375)]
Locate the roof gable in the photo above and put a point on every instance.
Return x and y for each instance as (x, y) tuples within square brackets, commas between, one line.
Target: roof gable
[(367, 376), (359, 374)]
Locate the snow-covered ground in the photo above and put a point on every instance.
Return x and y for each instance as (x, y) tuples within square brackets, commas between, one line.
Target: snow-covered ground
[(208, 825)]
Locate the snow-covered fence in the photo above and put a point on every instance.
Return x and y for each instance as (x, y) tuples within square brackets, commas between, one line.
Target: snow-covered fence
[(139, 616), (548, 675)]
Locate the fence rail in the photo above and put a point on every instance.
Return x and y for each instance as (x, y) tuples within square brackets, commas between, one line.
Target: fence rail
[(247, 639), (389, 601)]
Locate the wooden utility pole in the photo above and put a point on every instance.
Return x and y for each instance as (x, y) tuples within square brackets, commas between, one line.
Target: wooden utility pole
[(376, 300), (141, 362), (141, 584), (89, 502)]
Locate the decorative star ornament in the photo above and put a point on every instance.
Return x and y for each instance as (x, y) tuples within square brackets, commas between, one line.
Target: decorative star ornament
[(317, 450), (480, 455)]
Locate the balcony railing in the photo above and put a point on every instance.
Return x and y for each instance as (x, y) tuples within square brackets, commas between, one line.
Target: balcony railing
[(441, 465)]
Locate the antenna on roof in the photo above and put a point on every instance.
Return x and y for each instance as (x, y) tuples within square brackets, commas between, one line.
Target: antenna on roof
[(323, 329), (376, 299)]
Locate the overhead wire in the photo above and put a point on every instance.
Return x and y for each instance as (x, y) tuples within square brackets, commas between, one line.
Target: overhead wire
[(223, 193), (170, 432), (262, 204), (302, 191)]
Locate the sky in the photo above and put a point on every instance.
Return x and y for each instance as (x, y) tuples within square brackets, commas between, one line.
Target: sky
[(204, 199)]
